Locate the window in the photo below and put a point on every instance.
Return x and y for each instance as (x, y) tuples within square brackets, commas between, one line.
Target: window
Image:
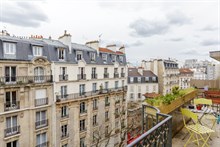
[(116, 84), (139, 95), (113, 58), (12, 144), (116, 124), (82, 107), (106, 131), (105, 70), (131, 79), (147, 79), (122, 83), (92, 56), (106, 116), (10, 74), (38, 74), (106, 85), (63, 70), (139, 79), (116, 111), (64, 131), (94, 73), (37, 51), (94, 122), (82, 142), (131, 95), (154, 79), (82, 89), (95, 103), (9, 48), (82, 125), (41, 139), (104, 57), (64, 111), (41, 119), (94, 85), (64, 92), (65, 145), (41, 97), (78, 56), (115, 70), (11, 125), (106, 100), (121, 58), (61, 54), (10, 100)]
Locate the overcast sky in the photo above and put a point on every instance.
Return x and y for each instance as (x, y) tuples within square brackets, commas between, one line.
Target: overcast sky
[(180, 29)]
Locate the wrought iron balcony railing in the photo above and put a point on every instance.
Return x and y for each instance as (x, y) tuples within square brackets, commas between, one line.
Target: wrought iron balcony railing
[(93, 76), (41, 123), (18, 80), (157, 135), (41, 102), (9, 106), (12, 131), (81, 76), (44, 144), (106, 75), (122, 75), (116, 75), (63, 77), (64, 135)]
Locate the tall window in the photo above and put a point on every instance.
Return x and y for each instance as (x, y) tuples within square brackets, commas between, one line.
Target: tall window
[(105, 70), (9, 48), (78, 55), (106, 101), (147, 79), (82, 89), (94, 122), (38, 74), (116, 84), (113, 58), (131, 79), (106, 116), (131, 95), (139, 79), (154, 79), (11, 125), (82, 125), (106, 85), (10, 74), (82, 142), (64, 130), (82, 107), (94, 85), (104, 57), (37, 51), (10, 100), (61, 54), (12, 144), (41, 139), (41, 118), (106, 131), (93, 73), (64, 111), (64, 91), (92, 56), (121, 58), (95, 104), (65, 145)]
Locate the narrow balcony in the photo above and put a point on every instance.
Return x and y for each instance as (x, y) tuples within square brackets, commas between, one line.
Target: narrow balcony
[(93, 76), (106, 75), (63, 77), (107, 104), (116, 75), (12, 131), (81, 76), (41, 123), (64, 115), (122, 75), (64, 135), (83, 111), (45, 144), (19, 80), (41, 102), (9, 106)]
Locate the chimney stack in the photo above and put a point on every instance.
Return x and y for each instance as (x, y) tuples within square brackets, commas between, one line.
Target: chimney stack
[(93, 44), (122, 49), (66, 39)]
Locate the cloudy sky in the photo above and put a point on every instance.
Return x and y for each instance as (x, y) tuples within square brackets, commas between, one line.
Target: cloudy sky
[(180, 29)]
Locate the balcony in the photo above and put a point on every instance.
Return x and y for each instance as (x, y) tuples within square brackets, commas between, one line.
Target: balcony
[(45, 144), (122, 75), (107, 104), (19, 80), (83, 111), (64, 115), (9, 106), (106, 75), (93, 76), (41, 124), (117, 101), (12, 131), (64, 135), (116, 75), (81, 76), (41, 102), (63, 77)]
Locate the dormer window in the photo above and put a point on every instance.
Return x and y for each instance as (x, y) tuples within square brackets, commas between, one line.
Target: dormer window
[(113, 58), (92, 56), (104, 57), (154, 79), (147, 79), (9, 48), (139, 79), (37, 51), (121, 58), (131, 79), (61, 54), (78, 56)]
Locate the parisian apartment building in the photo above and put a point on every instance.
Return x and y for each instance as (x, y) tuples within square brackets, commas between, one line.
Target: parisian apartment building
[(166, 70), (140, 82), (185, 76), (55, 93)]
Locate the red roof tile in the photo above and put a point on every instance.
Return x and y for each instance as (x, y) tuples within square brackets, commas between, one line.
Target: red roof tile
[(105, 50), (118, 52), (185, 70)]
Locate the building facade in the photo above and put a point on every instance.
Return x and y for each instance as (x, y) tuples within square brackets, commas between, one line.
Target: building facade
[(185, 77), (140, 82), (167, 72), (59, 93)]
